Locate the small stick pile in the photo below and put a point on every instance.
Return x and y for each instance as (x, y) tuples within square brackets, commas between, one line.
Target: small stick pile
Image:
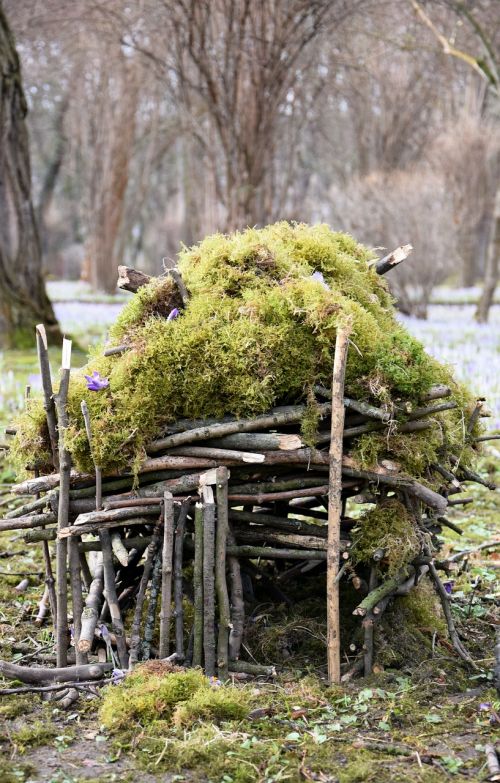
[(212, 504)]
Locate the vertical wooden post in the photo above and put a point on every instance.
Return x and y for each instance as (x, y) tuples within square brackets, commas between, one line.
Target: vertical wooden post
[(48, 396), (220, 572), (63, 511), (335, 506), (178, 559), (208, 580), (76, 597), (237, 603), (198, 585), (166, 574)]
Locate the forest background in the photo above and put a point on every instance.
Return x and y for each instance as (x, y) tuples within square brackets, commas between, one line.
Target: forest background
[(156, 122)]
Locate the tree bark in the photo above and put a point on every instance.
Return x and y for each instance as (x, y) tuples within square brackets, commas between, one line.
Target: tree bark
[(491, 271), (23, 299)]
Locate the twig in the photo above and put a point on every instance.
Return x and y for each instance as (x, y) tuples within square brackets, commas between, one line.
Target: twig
[(220, 572), (178, 552), (135, 632), (166, 574), (335, 506), (208, 580), (63, 509), (198, 585)]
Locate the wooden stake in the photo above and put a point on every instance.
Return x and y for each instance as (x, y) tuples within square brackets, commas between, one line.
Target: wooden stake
[(208, 580), (135, 631), (335, 506), (237, 603), (48, 396), (166, 574), (220, 572), (76, 597), (179, 610), (63, 511), (198, 585)]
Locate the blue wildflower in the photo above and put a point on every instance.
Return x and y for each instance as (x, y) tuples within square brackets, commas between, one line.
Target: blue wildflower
[(95, 382), (173, 314)]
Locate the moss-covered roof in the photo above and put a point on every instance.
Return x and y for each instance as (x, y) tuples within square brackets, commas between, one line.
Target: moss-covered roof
[(258, 331)]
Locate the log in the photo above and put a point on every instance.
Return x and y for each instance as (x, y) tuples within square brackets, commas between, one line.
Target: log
[(386, 588), (27, 508), (335, 505), (216, 454), (208, 581), (392, 260), (119, 549), (179, 282), (277, 417), (77, 598), (267, 497), (436, 392), (45, 483), (260, 534), (90, 614), (130, 279), (35, 676), (27, 523), (258, 441), (364, 408), (220, 573), (116, 349), (93, 527), (271, 553), (280, 523)]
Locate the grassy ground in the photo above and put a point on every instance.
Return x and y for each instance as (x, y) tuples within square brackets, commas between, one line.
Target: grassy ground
[(423, 721)]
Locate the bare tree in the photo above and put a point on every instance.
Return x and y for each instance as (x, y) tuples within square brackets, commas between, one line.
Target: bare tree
[(481, 34), (240, 61), (23, 300)]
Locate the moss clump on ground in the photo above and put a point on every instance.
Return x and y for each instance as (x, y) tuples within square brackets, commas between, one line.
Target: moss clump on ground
[(389, 527), (259, 330), (180, 698)]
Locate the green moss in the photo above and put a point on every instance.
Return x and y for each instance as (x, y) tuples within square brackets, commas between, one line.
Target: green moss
[(388, 527), (146, 696), (33, 735), (13, 706), (422, 608), (258, 331), (214, 704)]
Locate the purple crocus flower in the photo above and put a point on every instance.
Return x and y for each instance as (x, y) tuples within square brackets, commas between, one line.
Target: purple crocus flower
[(173, 314), (318, 276), (95, 382), (448, 586), (117, 676)]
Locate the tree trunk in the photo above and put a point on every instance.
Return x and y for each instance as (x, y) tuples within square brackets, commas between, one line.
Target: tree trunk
[(111, 174), (23, 299), (491, 271)]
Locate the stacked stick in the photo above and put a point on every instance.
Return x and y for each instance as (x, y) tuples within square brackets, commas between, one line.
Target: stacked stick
[(215, 502)]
